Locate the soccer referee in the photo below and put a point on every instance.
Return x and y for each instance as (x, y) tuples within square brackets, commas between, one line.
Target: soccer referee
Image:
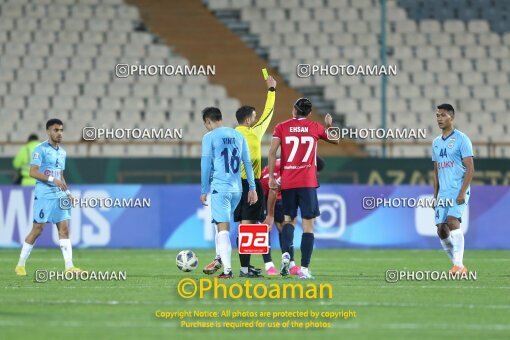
[(253, 131)]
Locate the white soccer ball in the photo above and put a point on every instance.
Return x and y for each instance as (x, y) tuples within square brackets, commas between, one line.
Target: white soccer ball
[(186, 260)]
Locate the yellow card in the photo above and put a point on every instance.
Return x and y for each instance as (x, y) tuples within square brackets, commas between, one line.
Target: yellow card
[(264, 73)]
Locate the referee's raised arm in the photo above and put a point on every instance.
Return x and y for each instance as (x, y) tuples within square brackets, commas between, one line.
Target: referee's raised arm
[(263, 123)]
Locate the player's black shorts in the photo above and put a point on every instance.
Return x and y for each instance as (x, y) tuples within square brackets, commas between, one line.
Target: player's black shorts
[(303, 198), (278, 212), (254, 212)]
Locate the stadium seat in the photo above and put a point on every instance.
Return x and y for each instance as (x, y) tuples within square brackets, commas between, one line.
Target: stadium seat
[(86, 103), (41, 89), (20, 89), (440, 40), (470, 105), (38, 102), (410, 91), (58, 63), (63, 103), (397, 106), (14, 102), (472, 78), (110, 104), (459, 92), (68, 89), (487, 65), (489, 39), (496, 78)]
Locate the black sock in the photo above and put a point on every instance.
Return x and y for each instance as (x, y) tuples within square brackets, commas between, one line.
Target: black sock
[(267, 257), (243, 258), (291, 251), (306, 249), (287, 237)]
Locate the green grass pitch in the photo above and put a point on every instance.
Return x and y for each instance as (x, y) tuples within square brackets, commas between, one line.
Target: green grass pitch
[(125, 310)]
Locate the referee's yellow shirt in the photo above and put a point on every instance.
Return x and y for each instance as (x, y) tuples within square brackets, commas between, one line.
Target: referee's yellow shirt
[(254, 136)]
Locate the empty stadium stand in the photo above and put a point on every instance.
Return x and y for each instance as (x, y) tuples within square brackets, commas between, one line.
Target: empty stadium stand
[(446, 51), (58, 59)]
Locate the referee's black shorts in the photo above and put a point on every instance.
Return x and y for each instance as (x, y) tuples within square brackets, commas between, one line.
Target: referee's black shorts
[(254, 212)]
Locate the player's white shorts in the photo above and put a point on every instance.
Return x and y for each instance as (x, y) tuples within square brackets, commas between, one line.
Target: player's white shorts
[(456, 210), (223, 205)]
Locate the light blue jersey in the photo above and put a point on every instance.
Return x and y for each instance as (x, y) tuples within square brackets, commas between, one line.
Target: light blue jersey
[(448, 154), (47, 198), (51, 162), (223, 150)]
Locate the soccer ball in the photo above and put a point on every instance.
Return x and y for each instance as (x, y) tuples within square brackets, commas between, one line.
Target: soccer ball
[(186, 260)]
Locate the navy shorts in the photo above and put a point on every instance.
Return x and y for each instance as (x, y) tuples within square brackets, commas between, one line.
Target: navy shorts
[(303, 198), (278, 211)]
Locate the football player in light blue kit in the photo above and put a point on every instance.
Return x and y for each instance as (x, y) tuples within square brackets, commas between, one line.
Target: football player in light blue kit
[(452, 154), (223, 150), (47, 167)]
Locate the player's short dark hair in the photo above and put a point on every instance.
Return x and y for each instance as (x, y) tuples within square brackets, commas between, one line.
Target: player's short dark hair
[(213, 113), (33, 137), (243, 112), (320, 164), (53, 121), (446, 107), (303, 107)]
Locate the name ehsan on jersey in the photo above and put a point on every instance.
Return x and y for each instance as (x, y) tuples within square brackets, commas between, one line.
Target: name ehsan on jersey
[(298, 129), (229, 140), (445, 164)]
